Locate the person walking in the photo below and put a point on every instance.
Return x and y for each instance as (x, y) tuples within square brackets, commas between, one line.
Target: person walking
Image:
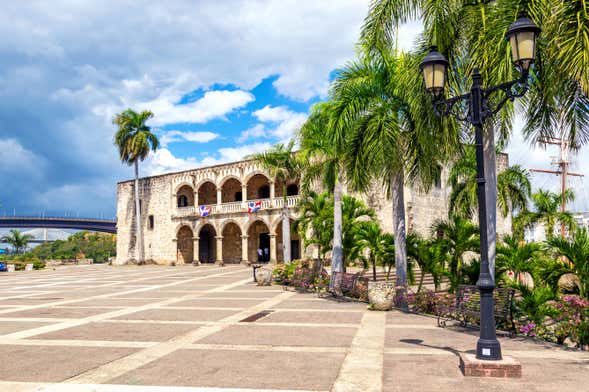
[(266, 255), (260, 256)]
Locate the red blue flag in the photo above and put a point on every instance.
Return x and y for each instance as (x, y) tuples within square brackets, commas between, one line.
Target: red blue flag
[(254, 206), (204, 211)]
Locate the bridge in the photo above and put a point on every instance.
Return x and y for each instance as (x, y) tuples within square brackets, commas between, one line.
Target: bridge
[(100, 225)]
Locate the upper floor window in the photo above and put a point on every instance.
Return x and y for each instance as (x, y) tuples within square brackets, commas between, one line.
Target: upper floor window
[(150, 222), (182, 201), (292, 190)]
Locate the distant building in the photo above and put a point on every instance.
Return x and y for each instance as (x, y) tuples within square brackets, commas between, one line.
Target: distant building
[(225, 213)]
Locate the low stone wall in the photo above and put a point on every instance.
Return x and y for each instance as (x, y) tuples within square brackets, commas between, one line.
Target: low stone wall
[(54, 263)]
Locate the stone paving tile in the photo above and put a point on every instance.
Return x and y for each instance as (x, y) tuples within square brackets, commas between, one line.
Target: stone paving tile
[(32, 301), (396, 317), (154, 293), (252, 334), (124, 302), (218, 303), (57, 312), (428, 338), (7, 327), (143, 332), (312, 317), (407, 373), (177, 315), (232, 294), (324, 304), (53, 363), (239, 369)]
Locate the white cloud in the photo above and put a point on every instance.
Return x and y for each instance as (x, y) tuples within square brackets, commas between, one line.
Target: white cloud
[(278, 122), (169, 137), (212, 105)]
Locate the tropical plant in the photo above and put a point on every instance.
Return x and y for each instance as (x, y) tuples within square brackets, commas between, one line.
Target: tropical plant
[(134, 141), (283, 166), (354, 213), (513, 187), (323, 153), (314, 210), (369, 235), (17, 239), (457, 236), (573, 257), (547, 211), (516, 257), (429, 255), (392, 138)]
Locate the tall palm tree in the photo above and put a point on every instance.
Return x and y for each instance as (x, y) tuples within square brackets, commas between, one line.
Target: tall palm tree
[(513, 187), (547, 211), (323, 155), (457, 236), (283, 166), (392, 139), (135, 141), (17, 239)]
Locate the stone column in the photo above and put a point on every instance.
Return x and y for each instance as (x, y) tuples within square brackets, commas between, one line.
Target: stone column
[(219, 195), (273, 248), (219, 251), (196, 251), (272, 190), (196, 198), (175, 241), (244, 249), (243, 192)]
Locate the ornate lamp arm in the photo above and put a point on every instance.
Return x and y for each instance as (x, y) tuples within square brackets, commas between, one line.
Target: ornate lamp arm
[(457, 107), (511, 90)]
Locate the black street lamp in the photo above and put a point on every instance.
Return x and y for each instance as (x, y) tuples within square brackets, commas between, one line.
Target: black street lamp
[(474, 108)]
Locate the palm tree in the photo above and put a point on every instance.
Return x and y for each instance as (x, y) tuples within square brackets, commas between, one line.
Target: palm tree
[(17, 239), (323, 154), (472, 34), (513, 187), (369, 235), (392, 138), (547, 211), (429, 255), (457, 236), (354, 213), (135, 141), (314, 211), (283, 166), (517, 256), (573, 258)]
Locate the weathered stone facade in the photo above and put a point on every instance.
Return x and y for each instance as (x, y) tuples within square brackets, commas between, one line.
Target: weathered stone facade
[(175, 232)]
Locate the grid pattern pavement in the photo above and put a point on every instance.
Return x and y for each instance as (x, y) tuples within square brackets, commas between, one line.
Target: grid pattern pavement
[(152, 328)]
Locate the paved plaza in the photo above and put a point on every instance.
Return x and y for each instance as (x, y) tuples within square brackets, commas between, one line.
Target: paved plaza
[(152, 328)]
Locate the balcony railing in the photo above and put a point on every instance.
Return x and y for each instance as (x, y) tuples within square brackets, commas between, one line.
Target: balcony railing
[(239, 206)]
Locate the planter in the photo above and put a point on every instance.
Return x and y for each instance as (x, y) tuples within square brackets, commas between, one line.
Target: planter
[(263, 277), (381, 295), (10, 267)]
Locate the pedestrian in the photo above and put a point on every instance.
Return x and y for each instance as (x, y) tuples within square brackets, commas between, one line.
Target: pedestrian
[(260, 256), (266, 254)]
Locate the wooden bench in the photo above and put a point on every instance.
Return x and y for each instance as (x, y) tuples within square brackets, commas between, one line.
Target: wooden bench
[(303, 278), (348, 285), (467, 307)]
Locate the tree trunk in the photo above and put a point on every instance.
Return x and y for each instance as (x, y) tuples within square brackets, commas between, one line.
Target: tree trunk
[(138, 233), (337, 256), (490, 156), (398, 185), (421, 281), (374, 269), (285, 228)]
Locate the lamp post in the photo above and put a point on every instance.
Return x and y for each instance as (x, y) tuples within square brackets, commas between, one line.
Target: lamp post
[(474, 108)]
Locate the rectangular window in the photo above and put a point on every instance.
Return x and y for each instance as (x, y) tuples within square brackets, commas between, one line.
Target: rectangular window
[(151, 222)]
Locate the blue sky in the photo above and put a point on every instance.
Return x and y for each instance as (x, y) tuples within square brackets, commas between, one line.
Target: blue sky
[(224, 79)]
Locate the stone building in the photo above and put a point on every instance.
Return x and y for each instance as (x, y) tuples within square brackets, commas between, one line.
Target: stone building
[(176, 229)]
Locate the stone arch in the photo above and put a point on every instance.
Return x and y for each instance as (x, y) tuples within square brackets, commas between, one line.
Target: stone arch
[(207, 251), (258, 187), (231, 234), (207, 193), (295, 240), (231, 190), (258, 233), (185, 196), (292, 188), (184, 245)]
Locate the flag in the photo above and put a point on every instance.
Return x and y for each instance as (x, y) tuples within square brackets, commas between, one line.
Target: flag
[(204, 211), (254, 206)]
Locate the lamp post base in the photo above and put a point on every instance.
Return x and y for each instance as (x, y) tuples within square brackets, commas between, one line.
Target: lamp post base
[(488, 350), (508, 367)]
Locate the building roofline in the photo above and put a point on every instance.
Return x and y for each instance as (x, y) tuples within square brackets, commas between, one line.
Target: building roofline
[(188, 170)]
